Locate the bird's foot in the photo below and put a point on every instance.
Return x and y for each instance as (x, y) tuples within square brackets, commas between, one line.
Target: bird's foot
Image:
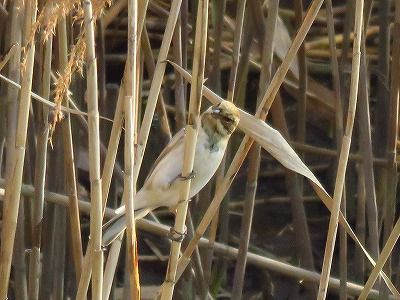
[(176, 236), (190, 176)]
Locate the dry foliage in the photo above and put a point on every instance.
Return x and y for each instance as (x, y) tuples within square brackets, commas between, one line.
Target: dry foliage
[(318, 90)]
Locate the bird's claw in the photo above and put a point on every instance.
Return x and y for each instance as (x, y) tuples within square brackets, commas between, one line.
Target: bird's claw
[(176, 236), (190, 176)]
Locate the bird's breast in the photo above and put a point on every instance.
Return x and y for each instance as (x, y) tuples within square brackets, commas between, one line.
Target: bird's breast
[(207, 160)]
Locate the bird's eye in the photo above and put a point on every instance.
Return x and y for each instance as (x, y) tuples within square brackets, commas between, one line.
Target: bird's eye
[(216, 110)]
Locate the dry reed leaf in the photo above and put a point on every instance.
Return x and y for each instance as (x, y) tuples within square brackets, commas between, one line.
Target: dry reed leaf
[(272, 141)]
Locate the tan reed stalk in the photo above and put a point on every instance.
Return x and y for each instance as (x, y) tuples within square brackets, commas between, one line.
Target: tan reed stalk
[(332, 153), (116, 247), (285, 269), (96, 213), (236, 48), (215, 83), (16, 20), (223, 213), (392, 150), (40, 173), (339, 136), (254, 156), (380, 263), (150, 67), (100, 41), (111, 266), (344, 154), (247, 142), (387, 118), (69, 160), (108, 168), (366, 152), (365, 141), (180, 100), (114, 11), (292, 181), (303, 82), (156, 85), (11, 102), (29, 191), (322, 42), (190, 140), (129, 181), (5, 58), (302, 238), (361, 225), (13, 190), (106, 182)]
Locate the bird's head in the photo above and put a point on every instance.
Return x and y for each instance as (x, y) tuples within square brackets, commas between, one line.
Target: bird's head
[(221, 119)]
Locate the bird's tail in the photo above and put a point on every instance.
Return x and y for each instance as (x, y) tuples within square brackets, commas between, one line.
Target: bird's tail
[(113, 228)]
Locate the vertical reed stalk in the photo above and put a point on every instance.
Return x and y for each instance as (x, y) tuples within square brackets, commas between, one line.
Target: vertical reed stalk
[(96, 213), (391, 154), (13, 190), (389, 189), (15, 28), (106, 182), (344, 154), (180, 100), (302, 236), (221, 266), (254, 156), (218, 10), (69, 161), (366, 153), (156, 85), (150, 67), (236, 48), (302, 97), (108, 168), (40, 172), (190, 140), (339, 136), (359, 259), (129, 181)]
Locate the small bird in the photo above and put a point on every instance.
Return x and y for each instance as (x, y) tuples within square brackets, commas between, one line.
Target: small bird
[(161, 187)]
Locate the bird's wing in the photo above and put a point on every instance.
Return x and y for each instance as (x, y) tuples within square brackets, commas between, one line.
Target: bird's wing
[(168, 166)]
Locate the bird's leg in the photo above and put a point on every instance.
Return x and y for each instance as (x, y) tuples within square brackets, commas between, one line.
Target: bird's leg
[(177, 236), (190, 176)]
